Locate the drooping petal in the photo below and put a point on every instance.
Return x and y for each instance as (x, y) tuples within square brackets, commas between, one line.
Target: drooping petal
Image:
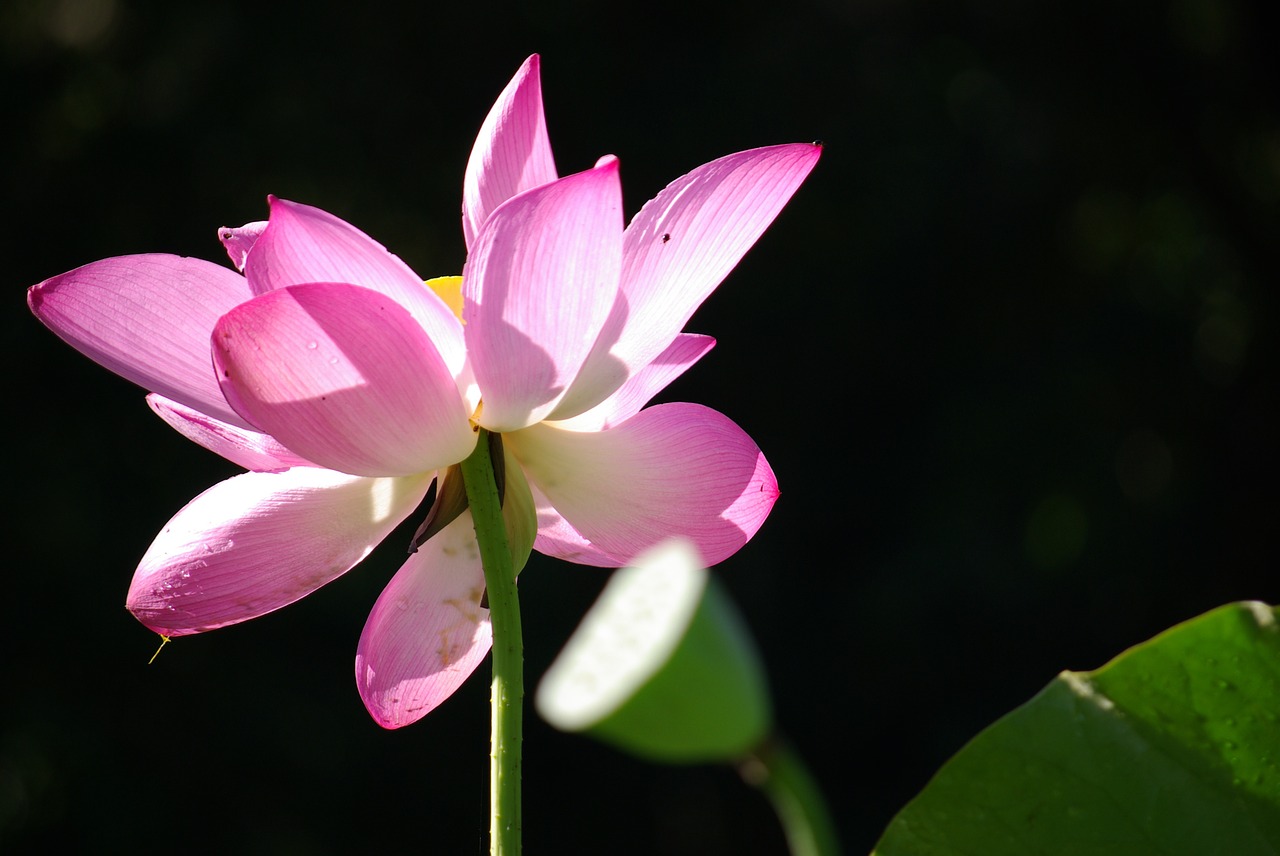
[(344, 377), (671, 470), (260, 541), (302, 244), (537, 288), (148, 319), (427, 632), (644, 384), (239, 241), (250, 449), (557, 539), (678, 248), (512, 153)]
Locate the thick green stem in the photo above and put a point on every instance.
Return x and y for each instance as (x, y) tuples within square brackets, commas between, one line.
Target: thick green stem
[(777, 770), (507, 698)]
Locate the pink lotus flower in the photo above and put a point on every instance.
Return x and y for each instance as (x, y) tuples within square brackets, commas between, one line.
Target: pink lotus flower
[(345, 387)]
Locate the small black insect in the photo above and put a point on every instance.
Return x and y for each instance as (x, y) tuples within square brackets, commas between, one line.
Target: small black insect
[(666, 236)]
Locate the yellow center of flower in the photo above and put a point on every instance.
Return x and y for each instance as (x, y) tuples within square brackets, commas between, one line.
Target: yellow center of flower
[(448, 289)]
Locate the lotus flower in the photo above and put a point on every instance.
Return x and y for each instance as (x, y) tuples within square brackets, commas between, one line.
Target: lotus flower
[(345, 386)]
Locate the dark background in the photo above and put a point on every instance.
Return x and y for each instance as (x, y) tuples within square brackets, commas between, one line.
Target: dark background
[(1011, 351)]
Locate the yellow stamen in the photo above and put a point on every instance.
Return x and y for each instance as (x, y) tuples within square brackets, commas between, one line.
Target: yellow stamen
[(449, 289)]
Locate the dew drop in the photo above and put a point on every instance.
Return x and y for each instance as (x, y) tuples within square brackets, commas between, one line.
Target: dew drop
[(311, 346)]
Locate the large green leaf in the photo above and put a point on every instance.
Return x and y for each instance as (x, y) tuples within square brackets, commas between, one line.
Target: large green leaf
[(1171, 748)]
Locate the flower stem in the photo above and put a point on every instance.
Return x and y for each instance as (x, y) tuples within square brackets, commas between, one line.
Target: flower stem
[(777, 770), (507, 698)]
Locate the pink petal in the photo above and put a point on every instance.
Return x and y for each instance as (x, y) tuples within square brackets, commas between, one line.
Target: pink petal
[(260, 541), (538, 286), (148, 319), (237, 242), (302, 244), (644, 384), (671, 470), (678, 249), (344, 377), (249, 449), (557, 539), (512, 153), (427, 633)]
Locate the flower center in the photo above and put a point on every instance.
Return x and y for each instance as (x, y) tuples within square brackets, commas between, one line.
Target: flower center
[(448, 289)]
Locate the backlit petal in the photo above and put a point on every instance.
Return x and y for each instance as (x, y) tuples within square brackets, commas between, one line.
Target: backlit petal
[(148, 319), (557, 539), (344, 377), (427, 632), (678, 248), (511, 154), (250, 449), (670, 470), (537, 288), (260, 541), (644, 384), (239, 241), (302, 244)]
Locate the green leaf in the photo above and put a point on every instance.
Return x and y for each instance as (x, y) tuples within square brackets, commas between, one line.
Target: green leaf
[(1171, 748)]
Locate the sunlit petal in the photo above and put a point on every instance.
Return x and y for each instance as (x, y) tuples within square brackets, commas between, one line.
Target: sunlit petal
[(238, 241), (559, 540), (538, 286), (148, 319), (671, 470), (511, 154), (427, 632), (344, 377), (260, 541), (250, 449), (302, 244), (644, 384), (678, 248)]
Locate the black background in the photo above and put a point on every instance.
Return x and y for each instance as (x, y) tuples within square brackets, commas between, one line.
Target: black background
[(1011, 351)]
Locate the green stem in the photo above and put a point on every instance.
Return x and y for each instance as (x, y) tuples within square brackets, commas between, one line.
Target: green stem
[(507, 697), (777, 770)]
